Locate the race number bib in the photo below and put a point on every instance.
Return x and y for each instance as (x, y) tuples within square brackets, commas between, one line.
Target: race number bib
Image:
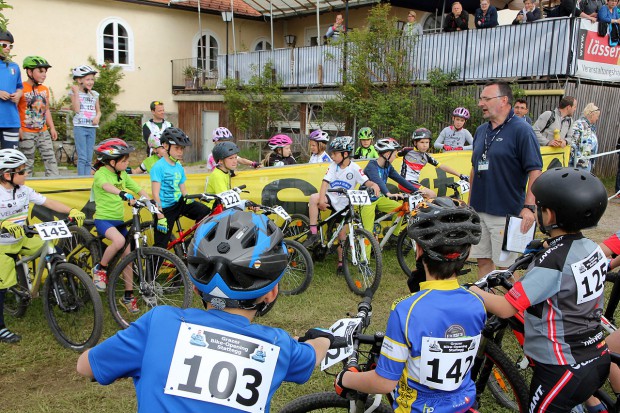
[(53, 230), (341, 328), (415, 200), (281, 213), (358, 197), (463, 186), (590, 275), (444, 362), (229, 199), (220, 367)]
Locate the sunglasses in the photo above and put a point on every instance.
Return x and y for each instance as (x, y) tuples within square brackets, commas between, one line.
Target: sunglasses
[(5, 45), (22, 172)]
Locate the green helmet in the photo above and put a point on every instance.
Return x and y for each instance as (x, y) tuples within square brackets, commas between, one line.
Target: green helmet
[(32, 62), (365, 133)]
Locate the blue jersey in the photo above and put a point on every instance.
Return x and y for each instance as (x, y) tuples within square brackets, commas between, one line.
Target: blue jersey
[(201, 361), (170, 177), (429, 347), (10, 81)]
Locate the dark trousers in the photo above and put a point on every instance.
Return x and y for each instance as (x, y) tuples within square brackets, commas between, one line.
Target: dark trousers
[(195, 211), (618, 176)]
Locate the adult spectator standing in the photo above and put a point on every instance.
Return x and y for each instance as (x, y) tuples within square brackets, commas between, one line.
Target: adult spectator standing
[(457, 19), (505, 156), (590, 8), (560, 119), (584, 136), (530, 13), (412, 28), (11, 89), (486, 16), (566, 8), (156, 125), (335, 30), (520, 108)]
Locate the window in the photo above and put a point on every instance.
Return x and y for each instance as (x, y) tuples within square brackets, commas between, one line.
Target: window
[(207, 51), (262, 45), (432, 23), (115, 43)]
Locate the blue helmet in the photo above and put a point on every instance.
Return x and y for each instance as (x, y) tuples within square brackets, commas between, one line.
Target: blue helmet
[(236, 257)]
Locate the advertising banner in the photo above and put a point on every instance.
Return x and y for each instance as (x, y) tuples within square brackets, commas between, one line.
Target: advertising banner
[(595, 58)]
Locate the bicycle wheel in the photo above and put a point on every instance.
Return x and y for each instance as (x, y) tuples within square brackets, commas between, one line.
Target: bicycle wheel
[(58, 154), (405, 252), (72, 307), (367, 272), (81, 249), (17, 297), (299, 225), (325, 402), (298, 274), (166, 282), (499, 371)]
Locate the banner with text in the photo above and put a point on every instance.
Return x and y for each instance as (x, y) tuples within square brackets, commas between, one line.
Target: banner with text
[(595, 58)]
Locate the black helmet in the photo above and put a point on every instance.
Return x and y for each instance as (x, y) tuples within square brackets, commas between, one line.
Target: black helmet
[(175, 136), (421, 133), (6, 36), (577, 197), (236, 256), (444, 222), (224, 150)]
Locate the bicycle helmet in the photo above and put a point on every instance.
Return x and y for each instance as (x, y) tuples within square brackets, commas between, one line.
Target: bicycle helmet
[(577, 197), (341, 144), (83, 70), (365, 133), (175, 136), (153, 142), (279, 141), (11, 159), (387, 145), (461, 113), (421, 133), (236, 257), (224, 150), (221, 134), (444, 222), (7, 36), (319, 136), (113, 149), (32, 62)]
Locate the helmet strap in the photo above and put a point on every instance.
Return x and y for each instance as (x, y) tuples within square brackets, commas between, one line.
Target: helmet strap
[(545, 229)]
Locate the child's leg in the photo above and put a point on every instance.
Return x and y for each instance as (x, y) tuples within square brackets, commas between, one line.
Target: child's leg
[(80, 138), (7, 279), (117, 241), (27, 147), (195, 211), (171, 214), (367, 213), (46, 149), (313, 210)]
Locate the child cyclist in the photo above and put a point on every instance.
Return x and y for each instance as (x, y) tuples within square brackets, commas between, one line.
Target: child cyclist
[(417, 157), (236, 260), (378, 171), (15, 198), (157, 151), (318, 140), (225, 156), (366, 150), (218, 136), (456, 137), (341, 173), (281, 151), (561, 295), (110, 189), (168, 186), (85, 104), (439, 326)]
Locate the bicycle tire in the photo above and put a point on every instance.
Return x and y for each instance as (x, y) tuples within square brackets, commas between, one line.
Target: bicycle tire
[(506, 375), (298, 225), (364, 275), (77, 320), (58, 154), (170, 286), (14, 304), (299, 271), (81, 249), (325, 402), (405, 253)]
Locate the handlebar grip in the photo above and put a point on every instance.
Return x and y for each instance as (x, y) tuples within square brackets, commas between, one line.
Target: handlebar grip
[(339, 342), (240, 187), (194, 196), (337, 190)]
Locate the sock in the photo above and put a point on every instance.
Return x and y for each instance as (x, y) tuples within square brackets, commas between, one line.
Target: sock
[(313, 229), (128, 295), (599, 408)]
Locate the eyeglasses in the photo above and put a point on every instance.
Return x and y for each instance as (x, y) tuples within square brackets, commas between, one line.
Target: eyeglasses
[(486, 99), (22, 172), (5, 45)]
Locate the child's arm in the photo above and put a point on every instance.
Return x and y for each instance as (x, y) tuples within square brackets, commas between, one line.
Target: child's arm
[(50, 123), (83, 366), (496, 304), (439, 142), (368, 382), (183, 189), (75, 98), (320, 346), (248, 162), (374, 186), (452, 171), (98, 110), (155, 187), (75, 214)]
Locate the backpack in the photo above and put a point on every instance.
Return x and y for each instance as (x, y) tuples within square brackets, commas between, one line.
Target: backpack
[(549, 121)]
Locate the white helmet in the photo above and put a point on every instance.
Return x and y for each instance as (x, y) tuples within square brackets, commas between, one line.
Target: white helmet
[(11, 159), (82, 71), (221, 134)]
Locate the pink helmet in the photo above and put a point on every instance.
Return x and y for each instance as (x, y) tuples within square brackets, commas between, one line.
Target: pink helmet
[(279, 141), (319, 136), (221, 134), (461, 113)]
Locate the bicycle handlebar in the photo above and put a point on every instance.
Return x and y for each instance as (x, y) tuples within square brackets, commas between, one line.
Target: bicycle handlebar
[(501, 277), (212, 197)]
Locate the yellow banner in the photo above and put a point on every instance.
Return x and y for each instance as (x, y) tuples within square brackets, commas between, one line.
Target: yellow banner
[(289, 186)]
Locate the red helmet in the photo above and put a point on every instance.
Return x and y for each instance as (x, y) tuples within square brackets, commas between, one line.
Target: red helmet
[(113, 149)]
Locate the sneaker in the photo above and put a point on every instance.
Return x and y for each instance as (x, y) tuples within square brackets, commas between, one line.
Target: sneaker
[(339, 269), (311, 240), (130, 304), (100, 278), (6, 336)]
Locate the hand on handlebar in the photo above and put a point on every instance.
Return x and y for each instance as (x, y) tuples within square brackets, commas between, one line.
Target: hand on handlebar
[(125, 196), (464, 177), (162, 225), (12, 228), (395, 196), (341, 390), (77, 216), (317, 333)]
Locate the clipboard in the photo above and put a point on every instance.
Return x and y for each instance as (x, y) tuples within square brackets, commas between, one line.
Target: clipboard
[(514, 240)]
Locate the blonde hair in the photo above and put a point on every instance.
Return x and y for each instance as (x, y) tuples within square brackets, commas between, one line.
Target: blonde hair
[(589, 109), (412, 13), (321, 146)]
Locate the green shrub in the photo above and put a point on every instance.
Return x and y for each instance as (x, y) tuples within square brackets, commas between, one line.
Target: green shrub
[(125, 127)]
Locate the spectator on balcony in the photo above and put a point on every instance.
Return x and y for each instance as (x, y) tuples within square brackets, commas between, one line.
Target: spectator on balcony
[(412, 28), (610, 14), (486, 16), (590, 8), (560, 119), (529, 13), (156, 125), (456, 20), (336, 29), (521, 110)]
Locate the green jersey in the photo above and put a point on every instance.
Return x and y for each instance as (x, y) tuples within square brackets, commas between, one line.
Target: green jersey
[(148, 163), (218, 182), (110, 206)]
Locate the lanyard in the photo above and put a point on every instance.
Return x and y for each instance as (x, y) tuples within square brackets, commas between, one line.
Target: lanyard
[(487, 145)]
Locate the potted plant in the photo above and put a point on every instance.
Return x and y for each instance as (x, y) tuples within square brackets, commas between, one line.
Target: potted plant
[(191, 75)]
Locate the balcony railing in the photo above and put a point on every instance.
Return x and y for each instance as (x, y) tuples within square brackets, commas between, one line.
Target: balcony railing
[(541, 48)]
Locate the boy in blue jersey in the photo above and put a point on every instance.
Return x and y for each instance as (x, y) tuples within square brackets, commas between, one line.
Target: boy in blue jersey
[(216, 360), (432, 335)]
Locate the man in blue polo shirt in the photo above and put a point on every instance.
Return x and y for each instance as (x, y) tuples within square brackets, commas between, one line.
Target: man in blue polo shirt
[(505, 156)]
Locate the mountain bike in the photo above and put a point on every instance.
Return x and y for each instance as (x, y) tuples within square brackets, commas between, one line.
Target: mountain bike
[(62, 153), (71, 304), (399, 217)]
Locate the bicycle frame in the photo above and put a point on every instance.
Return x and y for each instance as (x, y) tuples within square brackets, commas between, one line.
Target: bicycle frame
[(402, 211), (46, 250)]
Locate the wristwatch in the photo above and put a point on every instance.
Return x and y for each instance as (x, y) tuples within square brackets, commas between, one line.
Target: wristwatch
[(530, 207)]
